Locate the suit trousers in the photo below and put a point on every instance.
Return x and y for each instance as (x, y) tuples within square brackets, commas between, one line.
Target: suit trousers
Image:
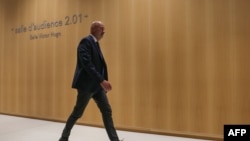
[(102, 102)]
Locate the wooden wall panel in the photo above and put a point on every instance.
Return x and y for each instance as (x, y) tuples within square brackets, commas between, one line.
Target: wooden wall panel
[(176, 66)]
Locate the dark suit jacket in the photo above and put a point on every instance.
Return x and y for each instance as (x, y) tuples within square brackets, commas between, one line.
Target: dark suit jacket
[(91, 68)]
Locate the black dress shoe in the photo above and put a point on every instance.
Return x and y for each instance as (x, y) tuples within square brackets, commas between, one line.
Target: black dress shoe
[(63, 139)]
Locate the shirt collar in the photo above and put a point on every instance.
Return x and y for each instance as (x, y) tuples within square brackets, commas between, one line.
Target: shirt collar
[(93, 37)]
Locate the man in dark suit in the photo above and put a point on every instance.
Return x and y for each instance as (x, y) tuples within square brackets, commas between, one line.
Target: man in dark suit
[(91, 81)]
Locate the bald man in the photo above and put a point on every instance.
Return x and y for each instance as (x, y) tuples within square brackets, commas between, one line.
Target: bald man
[(91, 81)]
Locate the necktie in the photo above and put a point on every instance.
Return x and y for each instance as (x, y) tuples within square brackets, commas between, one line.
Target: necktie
[(99, 50)]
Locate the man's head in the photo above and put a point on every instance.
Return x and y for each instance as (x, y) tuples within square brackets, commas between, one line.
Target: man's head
[(97, 29)]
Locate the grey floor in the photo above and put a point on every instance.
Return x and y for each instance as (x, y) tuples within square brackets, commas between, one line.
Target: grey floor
[(25, 129)]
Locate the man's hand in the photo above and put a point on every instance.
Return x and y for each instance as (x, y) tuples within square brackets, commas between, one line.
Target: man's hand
[(106, 85)]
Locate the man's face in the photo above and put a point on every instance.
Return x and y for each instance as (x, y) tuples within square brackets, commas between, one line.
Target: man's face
[(100, 32)]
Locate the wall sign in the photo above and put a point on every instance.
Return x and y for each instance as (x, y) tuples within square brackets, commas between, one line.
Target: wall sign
[(39, 27)]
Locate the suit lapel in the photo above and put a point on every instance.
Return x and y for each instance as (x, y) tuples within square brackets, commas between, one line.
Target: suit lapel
[(97, 48)]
